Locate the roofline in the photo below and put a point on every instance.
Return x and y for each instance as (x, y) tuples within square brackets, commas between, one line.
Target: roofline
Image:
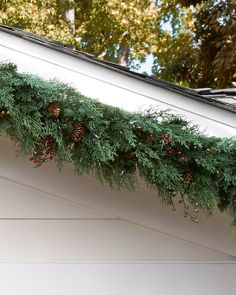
[(64, 48)]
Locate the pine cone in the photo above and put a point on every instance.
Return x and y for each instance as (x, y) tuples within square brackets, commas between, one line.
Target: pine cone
[(188, 176), (78, 131), (54, 109)]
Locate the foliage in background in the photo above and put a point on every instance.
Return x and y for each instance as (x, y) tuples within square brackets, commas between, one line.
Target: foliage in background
[(101, 27), (215, 29), (200, 47), (176, 59), (50, 120), (44, 18), (107, 26), (193, 42)]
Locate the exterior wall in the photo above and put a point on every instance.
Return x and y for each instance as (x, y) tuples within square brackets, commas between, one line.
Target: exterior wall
[(44, 196), (117, 279), (61, 234)]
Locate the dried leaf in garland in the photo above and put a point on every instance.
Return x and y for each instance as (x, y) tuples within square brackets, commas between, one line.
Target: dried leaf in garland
[(54, 109), (44, 150), (78, 131)]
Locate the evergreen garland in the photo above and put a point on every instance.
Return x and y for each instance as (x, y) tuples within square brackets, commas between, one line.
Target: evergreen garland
[(50, 120)]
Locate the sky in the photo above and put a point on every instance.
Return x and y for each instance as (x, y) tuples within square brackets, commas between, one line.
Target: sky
[(146, 66)]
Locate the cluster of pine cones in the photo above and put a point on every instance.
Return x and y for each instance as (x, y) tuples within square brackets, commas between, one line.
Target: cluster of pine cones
[(78, 131)]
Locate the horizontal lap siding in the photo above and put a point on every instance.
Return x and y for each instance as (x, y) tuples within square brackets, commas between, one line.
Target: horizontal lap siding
[(49, 215), (45, 193), (117, 279)]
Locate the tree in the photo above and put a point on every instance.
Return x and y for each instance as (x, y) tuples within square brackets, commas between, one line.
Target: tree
[(200, 49), (193, 42), (113, 30), (176, 57), (43, 17), (215, 29), (116, 30)]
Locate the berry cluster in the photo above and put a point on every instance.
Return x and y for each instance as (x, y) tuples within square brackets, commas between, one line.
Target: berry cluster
[(171, 151), (166, 138), (44, 150)]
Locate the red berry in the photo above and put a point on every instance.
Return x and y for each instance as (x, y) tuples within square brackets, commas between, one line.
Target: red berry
[(179, 153), (234, 201), (183, 159), (166, 136), (163, 137), (170, 141)]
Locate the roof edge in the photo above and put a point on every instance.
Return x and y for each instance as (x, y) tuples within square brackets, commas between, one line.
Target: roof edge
[(67, 49)]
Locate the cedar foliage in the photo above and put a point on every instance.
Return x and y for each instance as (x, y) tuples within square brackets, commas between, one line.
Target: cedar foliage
[(119, 147)]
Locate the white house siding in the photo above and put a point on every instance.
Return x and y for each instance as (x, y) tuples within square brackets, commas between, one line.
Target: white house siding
[(26, 189), (60, 234), (117, 279)]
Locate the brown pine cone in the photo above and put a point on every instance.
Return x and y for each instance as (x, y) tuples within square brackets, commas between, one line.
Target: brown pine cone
[(54, 109), (188, 176), (78, 131)]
